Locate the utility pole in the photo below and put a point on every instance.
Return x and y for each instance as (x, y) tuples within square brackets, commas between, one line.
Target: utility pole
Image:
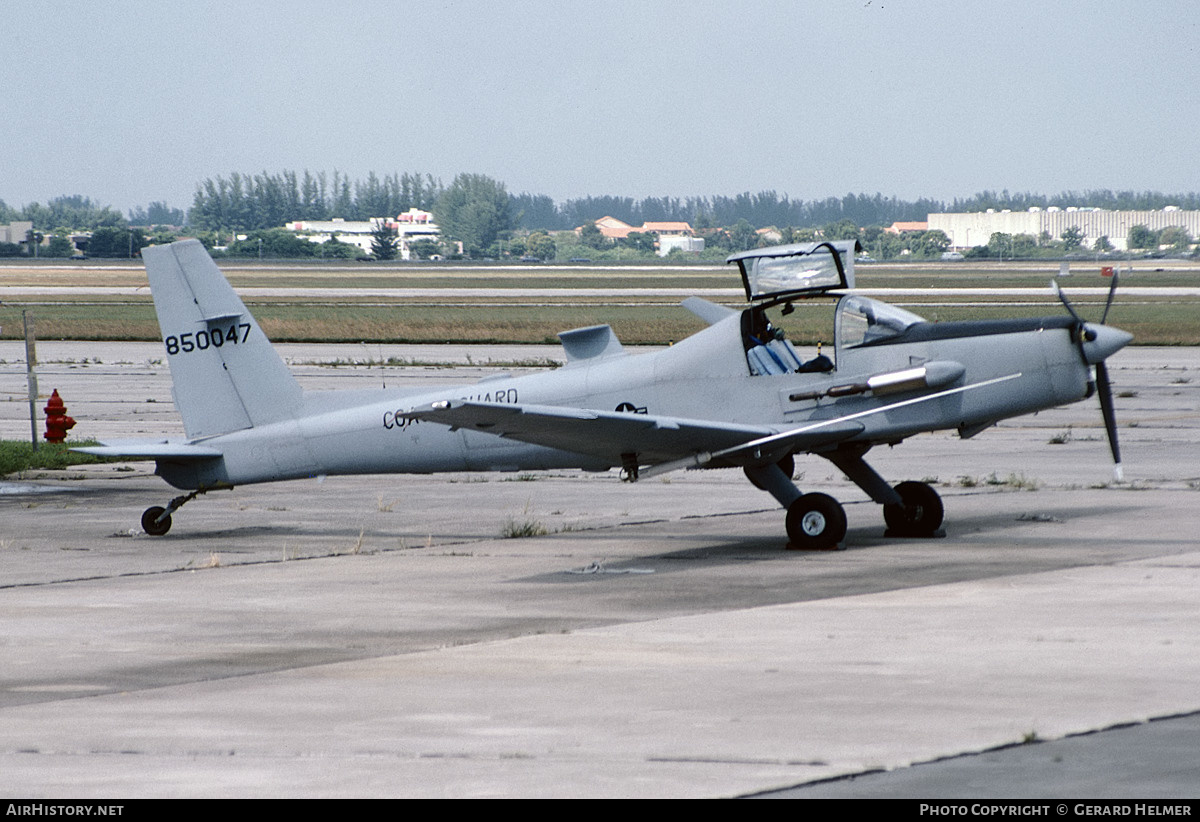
[(31, 373)]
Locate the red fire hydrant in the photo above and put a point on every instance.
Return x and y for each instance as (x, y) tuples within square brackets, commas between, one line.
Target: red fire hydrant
[(57, 421)]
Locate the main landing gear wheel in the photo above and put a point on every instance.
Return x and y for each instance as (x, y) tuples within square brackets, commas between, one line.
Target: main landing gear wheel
[(920, 514), (815, 522), (151, 523)]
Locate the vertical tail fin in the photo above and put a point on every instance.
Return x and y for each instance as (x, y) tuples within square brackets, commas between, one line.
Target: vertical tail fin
[(226, 374)]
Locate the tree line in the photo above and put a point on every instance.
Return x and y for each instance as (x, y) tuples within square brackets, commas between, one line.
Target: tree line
[(244, 202), (478, 212), (766, 208)]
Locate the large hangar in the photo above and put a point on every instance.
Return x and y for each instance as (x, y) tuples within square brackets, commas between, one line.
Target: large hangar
[(967, 230)]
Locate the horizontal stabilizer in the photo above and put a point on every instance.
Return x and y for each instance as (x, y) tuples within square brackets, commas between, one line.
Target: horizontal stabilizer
[(710, 312), (590, 343), (151, 450)]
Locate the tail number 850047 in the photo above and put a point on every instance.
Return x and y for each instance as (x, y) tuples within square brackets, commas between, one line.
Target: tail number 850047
[(212, 338)]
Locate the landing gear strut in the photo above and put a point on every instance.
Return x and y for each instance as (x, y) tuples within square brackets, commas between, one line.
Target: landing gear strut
[(156, 520), (787, 465)]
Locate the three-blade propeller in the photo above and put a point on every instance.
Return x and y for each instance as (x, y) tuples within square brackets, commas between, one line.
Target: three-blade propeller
[(1096, 343)]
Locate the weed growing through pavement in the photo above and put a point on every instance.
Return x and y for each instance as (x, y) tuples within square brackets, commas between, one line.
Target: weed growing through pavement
[(523, 526)]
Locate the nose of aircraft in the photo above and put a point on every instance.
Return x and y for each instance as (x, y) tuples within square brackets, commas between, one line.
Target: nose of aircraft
[(1102, 341)]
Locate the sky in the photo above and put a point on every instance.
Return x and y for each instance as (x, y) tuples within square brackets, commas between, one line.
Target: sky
[(134, 102)]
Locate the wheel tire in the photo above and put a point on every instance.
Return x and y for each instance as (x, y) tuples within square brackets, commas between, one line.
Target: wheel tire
[(150, 523), (919, 515), (815, 522), (787, 465)]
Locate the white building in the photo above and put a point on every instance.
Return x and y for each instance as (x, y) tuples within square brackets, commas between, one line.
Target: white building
[(410, 226), (15, 232), (976, 228), (667, 244)]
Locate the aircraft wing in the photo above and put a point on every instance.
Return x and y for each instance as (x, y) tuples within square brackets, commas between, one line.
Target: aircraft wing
[(663, 443), (611, 435), (151, 450)]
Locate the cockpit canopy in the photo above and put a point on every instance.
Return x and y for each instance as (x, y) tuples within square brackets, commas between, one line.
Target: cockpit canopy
[(861, 321), (801, 270)]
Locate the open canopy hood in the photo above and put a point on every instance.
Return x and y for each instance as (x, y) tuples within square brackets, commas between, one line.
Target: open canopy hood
[(782, 272)]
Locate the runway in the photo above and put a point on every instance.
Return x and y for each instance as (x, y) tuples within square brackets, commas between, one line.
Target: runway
[(251, 293), (379, 636)]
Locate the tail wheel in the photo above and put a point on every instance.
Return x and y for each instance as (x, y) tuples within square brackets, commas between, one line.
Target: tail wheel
[(919, 515), (815, 522), (151, 523)]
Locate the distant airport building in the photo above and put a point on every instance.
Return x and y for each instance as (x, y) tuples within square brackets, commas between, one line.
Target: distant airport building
[(910, 227), (614, 229), (668, 235), (690, 245), (410, 226), (976, 228), (15, 232)]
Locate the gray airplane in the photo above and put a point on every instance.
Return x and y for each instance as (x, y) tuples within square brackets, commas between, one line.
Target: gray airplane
[(736, 394)]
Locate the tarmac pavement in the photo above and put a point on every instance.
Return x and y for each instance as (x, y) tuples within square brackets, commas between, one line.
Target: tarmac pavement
[(379, 636)]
